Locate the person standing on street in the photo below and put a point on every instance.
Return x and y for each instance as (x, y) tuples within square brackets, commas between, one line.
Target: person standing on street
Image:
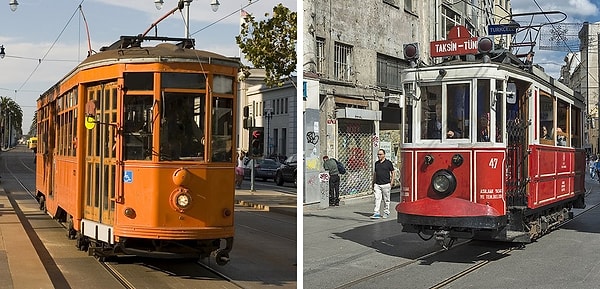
[(330, 165), (383, 180), (239, 170)]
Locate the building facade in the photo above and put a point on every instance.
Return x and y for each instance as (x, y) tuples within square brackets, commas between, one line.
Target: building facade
[(583, 78), (353, 58), (274, 109)]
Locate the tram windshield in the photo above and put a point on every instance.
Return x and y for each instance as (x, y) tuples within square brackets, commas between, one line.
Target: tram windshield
[(182, 127), (445, 116)]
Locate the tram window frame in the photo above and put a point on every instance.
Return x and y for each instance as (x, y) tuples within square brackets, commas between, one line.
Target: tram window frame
[(484, 130), (182, 126), (408, 109), (138, 80), (562, 123), (183, 80), (138, 121), (457, 113), (499, 112), (221, 148), (576, 122), (547, 117), (222, 84), (431, 99)]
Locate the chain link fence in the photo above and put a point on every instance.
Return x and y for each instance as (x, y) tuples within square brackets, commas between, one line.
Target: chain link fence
[(355, 151)]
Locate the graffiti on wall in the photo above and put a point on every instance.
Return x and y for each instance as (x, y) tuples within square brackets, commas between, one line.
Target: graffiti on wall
[(312, 137)]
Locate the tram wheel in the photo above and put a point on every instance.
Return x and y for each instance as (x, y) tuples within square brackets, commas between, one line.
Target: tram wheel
[(71, 233), (82, 243), (222, 257), (43, 203)]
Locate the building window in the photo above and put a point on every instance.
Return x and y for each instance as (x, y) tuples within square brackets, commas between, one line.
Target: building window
[(449, 20), (388, 72), (342, 61), (320, 57), (408, 5)]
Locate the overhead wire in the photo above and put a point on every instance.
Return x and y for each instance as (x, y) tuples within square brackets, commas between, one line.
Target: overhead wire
[(563, 40), (224, 17), (50, 48)]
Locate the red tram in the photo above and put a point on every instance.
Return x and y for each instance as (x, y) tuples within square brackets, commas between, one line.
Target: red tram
[(491, 150), (136, 150)]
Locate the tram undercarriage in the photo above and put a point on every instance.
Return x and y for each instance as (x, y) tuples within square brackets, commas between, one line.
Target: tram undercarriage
[(517, 227)]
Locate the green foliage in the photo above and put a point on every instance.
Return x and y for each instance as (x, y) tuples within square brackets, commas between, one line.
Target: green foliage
[(10, 118), (270, 44)]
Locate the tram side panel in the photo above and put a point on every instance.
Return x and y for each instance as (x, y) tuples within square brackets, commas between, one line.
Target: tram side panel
[(552, 175), (65, 194)]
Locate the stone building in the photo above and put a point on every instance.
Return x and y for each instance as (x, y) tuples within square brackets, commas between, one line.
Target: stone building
[(352, 62)]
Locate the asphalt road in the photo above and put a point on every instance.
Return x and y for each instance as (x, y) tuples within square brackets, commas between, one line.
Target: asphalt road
[(263, 255), (343, 248)]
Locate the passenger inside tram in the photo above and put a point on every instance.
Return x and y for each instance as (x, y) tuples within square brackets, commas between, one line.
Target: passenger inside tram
[(484, 129)]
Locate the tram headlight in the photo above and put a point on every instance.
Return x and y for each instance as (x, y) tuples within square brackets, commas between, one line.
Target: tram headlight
[(181, 199), (443, 182)]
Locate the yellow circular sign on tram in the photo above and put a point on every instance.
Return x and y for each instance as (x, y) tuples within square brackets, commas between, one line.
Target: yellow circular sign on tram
[(90, 122)]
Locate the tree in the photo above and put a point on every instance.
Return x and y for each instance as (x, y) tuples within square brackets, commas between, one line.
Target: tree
[(270, 44), (11, 119)]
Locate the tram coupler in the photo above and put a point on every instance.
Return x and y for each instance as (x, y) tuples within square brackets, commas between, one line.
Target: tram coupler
[(443, 238)]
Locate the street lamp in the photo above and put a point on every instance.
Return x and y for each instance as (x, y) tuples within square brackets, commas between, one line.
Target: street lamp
[(214, 5), (13, 5), (268, 115)]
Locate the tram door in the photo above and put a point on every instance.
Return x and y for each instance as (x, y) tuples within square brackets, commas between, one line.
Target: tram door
[(100, 161)]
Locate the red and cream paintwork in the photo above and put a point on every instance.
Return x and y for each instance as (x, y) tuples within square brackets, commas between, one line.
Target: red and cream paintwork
[(479, 189)]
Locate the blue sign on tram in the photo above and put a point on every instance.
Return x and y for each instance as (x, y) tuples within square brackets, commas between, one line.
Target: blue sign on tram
[(502, 29)]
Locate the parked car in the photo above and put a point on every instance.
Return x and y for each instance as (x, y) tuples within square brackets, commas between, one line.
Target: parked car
[(286, 173), (278, 158), (263, 168)]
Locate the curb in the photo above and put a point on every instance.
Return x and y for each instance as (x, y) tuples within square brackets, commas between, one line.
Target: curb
[(286, 210)]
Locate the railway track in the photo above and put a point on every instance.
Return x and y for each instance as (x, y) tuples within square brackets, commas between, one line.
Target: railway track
[(14, 167), (483, 259)]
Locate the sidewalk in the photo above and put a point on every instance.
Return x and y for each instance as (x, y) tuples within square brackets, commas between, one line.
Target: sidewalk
[(18, 257)]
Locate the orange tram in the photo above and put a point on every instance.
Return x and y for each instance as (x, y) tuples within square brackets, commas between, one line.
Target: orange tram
[(492, 149), (135, 150)]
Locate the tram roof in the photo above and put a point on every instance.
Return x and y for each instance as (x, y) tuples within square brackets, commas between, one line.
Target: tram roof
[(130, 47)]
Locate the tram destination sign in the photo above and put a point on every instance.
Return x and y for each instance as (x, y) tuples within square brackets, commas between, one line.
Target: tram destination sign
[(499, 29), (456, 46)]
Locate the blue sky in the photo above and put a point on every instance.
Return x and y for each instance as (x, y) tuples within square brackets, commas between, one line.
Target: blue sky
[(40, 29), (577, 11)]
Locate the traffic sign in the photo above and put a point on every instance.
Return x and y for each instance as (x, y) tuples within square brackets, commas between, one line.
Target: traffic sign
[(499, 29)]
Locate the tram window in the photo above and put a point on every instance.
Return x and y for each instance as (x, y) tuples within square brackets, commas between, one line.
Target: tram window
[(546, 118), (483, 110), (431, 112), (223, 84), (562, 113), (222, 129), (575, 125), (183, 80), (182, 127), (137, 130), (457, 114), (139, 80), (499, 109)]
